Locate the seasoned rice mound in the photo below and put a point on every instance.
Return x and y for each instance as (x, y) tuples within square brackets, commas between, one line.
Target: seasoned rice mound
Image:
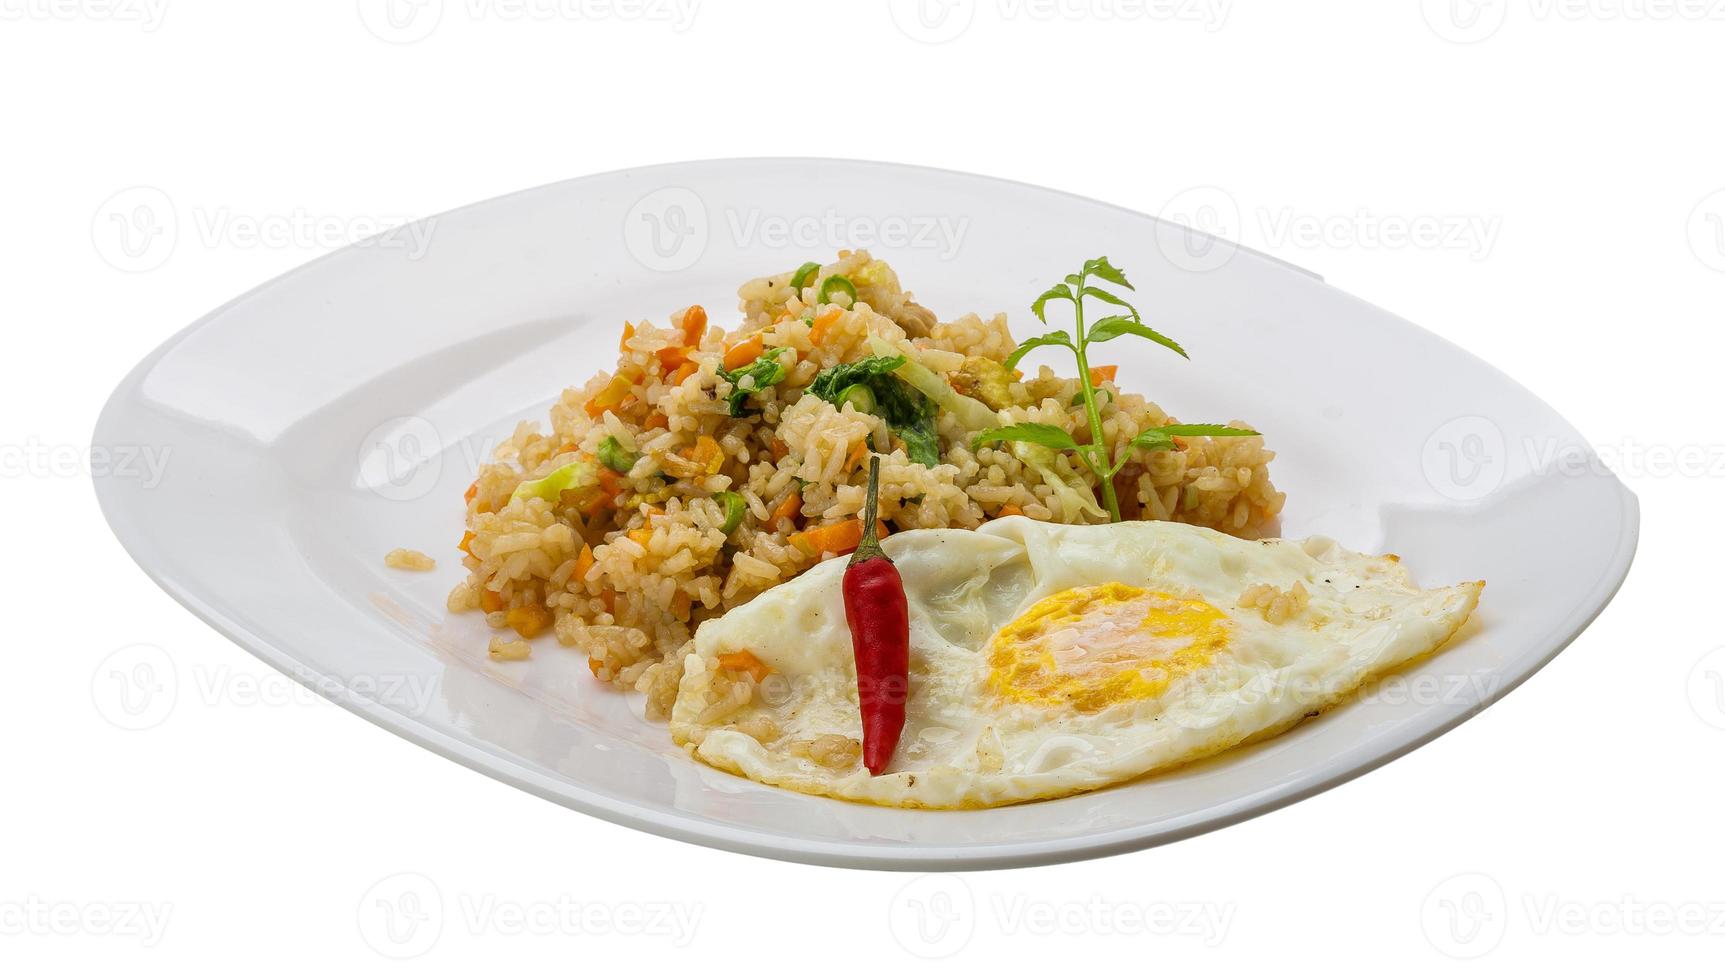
[(627, 568)]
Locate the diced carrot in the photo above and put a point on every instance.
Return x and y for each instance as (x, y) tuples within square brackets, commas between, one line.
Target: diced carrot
[(608, 598), (840, 538), (529, 621), (1103, 372), (745, 662), (787, 509), (472, 491), (1179, 443), (694, 325), (684, 372), (491, 601), (1010, 510), (610, 481), (628, 335), (823, 323), (672, 358), (707, 454), (857, 455), (567, 447), (641, 536), (657, 420), (467, 543), (779, 449), (596, 503), (744, 351), (583, 563)]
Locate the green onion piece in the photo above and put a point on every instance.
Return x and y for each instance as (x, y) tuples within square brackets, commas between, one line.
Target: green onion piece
[(836, 284), (859, 397), (735, 507), (613, 455), (805, 274)]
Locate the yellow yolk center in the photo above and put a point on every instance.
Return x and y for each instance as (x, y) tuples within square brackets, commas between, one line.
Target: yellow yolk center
[(1098, 645)]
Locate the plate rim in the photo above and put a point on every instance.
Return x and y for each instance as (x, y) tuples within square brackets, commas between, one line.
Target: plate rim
[(672, 824)]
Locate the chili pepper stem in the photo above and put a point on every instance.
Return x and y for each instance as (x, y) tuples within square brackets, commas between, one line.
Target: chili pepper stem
[(870, 545)]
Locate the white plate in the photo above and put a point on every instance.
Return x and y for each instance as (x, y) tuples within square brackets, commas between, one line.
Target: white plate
[(339, 411)]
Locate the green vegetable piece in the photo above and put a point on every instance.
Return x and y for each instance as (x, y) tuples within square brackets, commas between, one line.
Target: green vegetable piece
[(836, 284), (831, 384), (1074, 496), (571, 476), (971, 414), (763, 372), (859, 397), (805, 274), (613, 455), (734, 507), (869, 385)]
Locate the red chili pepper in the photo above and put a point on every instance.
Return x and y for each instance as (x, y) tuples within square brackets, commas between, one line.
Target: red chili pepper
[(879, 618)]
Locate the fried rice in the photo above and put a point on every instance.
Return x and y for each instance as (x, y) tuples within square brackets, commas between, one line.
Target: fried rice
[(625, 562)]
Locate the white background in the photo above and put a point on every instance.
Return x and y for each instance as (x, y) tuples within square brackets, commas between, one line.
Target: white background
[(1568, 154)]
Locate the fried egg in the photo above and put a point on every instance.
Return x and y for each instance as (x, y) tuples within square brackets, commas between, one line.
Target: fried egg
[(1049, 659)]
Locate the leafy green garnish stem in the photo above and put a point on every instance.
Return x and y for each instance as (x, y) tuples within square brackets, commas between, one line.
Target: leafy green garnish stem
[(1088, 389)]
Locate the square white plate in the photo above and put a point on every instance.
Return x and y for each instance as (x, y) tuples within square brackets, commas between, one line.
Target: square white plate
[(338, 412)]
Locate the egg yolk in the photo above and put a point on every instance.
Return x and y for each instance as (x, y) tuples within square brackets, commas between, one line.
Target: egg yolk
[(1097, 645)]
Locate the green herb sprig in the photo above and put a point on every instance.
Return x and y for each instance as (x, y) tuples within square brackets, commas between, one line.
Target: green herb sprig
[(1075, 289)]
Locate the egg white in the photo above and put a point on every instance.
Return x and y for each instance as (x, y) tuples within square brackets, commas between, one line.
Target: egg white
[(974, 739)]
